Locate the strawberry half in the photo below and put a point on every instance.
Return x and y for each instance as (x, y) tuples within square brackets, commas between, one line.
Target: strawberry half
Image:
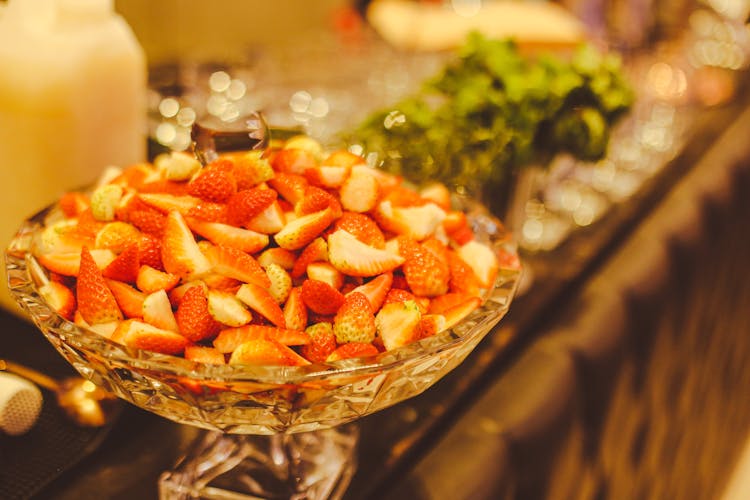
[(125, 266), (227, 309), (95, 300), (291, 187), (128, 298), (376, 289), (322, 342), (354, 321), (482, 261), (354, 258), (316, 251), (150, 280), (157, 311), (425, 273), (180, 253), (398, 323), (302, 230), (229, 236), (193, 318), (265, 352), (362, 227), (295, 311), (236, 264), (214, 183), (245, 205), (321, 297), (231, 338), (60, 298), (315, 200), (141, 335), (203, 354), (261, 301)]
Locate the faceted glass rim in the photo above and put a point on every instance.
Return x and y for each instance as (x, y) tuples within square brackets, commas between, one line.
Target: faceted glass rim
[(25, 274)]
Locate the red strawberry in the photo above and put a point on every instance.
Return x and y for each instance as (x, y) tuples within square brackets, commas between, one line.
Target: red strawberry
[(125, 266), (203, 354), (269, 221), (315, 200), (265, 352), (327, 176), (95, 300), (321, 297), (398, 323), (295, 311), (457, 227), (128, 298), (68, 263), (59, 297), (260, 300), (376, 289), (229, 339), (209, 211), (353, 350), (214, 183), (343, 158), (87, 225), (277, 255), (354, 258), (323, 271), (150, 280), (166, 203), (245, 205), (236, 264), (116, 236), (149, 251), (230, 236), (316, 251), (73, 203), (354, 321), (462, 277), (165, 187), (141, 335), (429, 325), (322, 342), (149, 221), (302, 230), (360, 190), (251, 169), (426, 274), (455, 314), (193, 318), (180, 253), (157, 311), (290, 186), (482, 259), (438, 305), (293, 161), (398, 296), (361, 227)]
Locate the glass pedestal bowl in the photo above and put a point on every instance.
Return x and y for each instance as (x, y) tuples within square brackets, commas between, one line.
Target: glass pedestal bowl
[(271, 432)]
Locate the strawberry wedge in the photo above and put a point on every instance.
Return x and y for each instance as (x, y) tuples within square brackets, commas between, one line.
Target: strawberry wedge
[(350, 256), (228, 340)]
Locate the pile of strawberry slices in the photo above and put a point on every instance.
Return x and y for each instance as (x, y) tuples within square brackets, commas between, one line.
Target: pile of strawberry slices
[(287, 256)]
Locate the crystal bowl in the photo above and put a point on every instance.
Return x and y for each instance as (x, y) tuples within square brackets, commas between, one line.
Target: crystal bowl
[(263, 400)]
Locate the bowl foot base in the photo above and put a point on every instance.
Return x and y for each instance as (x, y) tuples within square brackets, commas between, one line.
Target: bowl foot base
[(310, 465)]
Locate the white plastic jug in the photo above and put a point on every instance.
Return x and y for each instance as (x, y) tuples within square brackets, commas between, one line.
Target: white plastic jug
[(72, 102)]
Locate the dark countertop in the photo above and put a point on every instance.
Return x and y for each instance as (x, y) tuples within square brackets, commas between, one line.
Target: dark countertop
[(544, 406)]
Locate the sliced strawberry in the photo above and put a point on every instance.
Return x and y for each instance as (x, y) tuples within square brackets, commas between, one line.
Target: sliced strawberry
[(482, 260), (302, 230), (438, 305), (116, 236), (250, 169), (229, 236), (462, 277), (429, 325), (227, 309), (265, 352), (362, 227), (290, 186), (166, 203), (95, 300), (322, 342), (149, 221), (455, 314), (180, 253), (353, 350), (325, 272), (128, 298), (343, 158), (295, 311), (315, 200), (399, 296), (203, 354), (354, 321), (260, 300), (149, 251), (245, 205), (150, 280), (399, 195), (236, 264), (277, 255), (426, 275), (125, 266), (73, 203), (321, 297), (438, 193), (398, 323), (209, 211), (60, 298), (293, 161), (354, 258), (157, 311), (68, 263), (316, 251), (141, 335), (360, 190), (194, 320), (215, 182), (376, 289), (176, 294), (269, 221), (281, 283), (418, 222), (229, 339), (457, 227), (88, 226), (164, 187)]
